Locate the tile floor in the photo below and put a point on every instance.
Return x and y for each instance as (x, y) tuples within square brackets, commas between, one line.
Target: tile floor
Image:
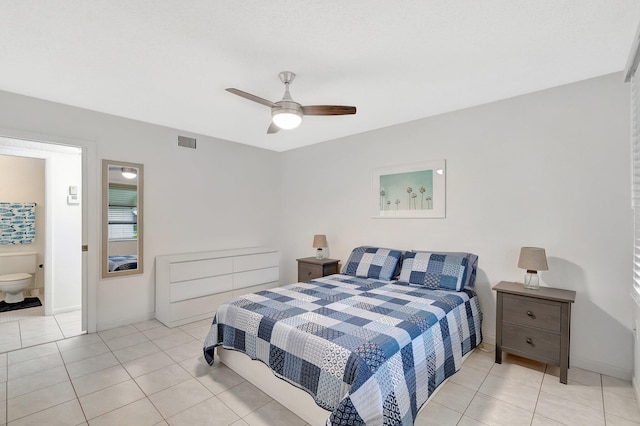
[(147, 374), (28, 327)]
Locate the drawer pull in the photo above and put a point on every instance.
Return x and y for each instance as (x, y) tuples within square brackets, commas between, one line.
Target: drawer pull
[(529, 341), (529, 313), (309, 273)]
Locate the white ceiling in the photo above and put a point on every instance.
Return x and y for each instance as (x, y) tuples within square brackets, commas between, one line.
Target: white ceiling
[(169, 61)]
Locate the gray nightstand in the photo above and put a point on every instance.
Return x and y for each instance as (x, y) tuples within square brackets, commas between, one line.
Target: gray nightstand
[(534, 324), (310, 268)]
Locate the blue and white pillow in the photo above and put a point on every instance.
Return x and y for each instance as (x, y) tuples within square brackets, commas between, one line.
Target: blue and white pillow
[(373, 262), (434, 270)]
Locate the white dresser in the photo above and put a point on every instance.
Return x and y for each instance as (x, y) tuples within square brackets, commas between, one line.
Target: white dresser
[(191, 286)]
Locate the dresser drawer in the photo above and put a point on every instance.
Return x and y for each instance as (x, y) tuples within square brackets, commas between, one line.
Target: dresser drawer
[(532, 343), (308, 272), (532, 312)]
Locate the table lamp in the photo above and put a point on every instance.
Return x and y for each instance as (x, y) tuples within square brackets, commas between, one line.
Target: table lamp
[(533, 259), (320, 243)]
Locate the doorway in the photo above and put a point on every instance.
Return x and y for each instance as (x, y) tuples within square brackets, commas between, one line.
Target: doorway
[(66, 206)]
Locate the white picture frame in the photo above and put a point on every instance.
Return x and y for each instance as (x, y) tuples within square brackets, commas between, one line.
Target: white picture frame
[(413, 191)]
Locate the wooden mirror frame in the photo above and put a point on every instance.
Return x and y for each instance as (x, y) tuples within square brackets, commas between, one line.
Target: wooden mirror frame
[(104, 255)]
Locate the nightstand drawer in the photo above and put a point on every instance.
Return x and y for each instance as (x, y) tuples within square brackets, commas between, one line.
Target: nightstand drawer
[(532, 312), (536, 344), (308, 272)]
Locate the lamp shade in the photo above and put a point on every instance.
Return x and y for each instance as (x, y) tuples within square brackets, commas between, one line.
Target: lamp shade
[(286, 118), (320, 241), (533, 259)]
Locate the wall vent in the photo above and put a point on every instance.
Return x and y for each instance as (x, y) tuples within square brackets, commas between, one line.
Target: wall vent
[(187, 142)]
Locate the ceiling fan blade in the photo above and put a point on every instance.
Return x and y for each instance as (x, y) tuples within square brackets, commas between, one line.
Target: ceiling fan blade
[(272, 128), (251, 97), (328, 110)]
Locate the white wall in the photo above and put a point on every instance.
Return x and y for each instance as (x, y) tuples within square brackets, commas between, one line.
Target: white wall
[(548, 169), (66, 232), (222, 195)]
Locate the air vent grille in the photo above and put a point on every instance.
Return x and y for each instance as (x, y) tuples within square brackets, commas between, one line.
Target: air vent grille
[(187, 142)]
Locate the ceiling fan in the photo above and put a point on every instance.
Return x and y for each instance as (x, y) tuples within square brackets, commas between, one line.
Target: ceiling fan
[(287, 114)]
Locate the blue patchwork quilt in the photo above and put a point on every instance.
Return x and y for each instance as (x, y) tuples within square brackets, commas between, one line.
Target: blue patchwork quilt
[(370, 351)]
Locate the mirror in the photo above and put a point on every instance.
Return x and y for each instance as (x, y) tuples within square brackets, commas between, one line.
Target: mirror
[(122, 209)]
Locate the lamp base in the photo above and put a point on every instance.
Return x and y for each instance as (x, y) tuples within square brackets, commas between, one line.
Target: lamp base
[(319, 254), (531, 280)]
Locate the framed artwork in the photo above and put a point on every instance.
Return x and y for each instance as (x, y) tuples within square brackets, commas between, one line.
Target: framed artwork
[(410, 191)]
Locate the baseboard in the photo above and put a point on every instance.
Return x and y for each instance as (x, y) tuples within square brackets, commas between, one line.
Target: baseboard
[(121, 323), (489, 339), (67, 309), (601, 367)]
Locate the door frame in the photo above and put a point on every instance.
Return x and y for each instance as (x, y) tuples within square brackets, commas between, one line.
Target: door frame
[(90, 215)]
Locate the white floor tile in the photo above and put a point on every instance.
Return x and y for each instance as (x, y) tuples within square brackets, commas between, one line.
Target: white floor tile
[(173, 340), (495, 412), (584, 394), (126, 341), (138, 413), (469, 378), (117, 332), (91, 365), (511, 392), (99, 380), (111, 398), (568, 412), (454, 396), (618, 386), (197, 366), (39, 400), (621, 406), (220, 379), (147, 364), (32, 366), (158, 332), (33, 382), (613, 420), (244, 398), (209, 412), (27, 354), (136, 351), (83, 352), (162, 379), (185, 351), (435, 414), (273, 414), (68, 413), (78, 341), (147, 325), (179, 397)]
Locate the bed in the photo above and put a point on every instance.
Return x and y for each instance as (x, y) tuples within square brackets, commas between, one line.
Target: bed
[(122, 263), (368, 349)]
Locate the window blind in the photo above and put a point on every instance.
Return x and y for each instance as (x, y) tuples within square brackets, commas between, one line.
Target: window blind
[(122, 214), (635, 176)]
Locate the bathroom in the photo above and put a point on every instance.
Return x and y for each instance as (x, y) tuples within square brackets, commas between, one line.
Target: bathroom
[(47, 175)]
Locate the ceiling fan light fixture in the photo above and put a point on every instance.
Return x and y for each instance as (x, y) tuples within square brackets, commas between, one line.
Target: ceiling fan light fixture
[(286, 118), (129, 173)]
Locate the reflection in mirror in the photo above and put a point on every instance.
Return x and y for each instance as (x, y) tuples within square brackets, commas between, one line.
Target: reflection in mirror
[(121, 218)]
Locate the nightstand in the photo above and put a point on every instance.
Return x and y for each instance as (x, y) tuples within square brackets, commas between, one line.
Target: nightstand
[(310, 268), (534, 324)]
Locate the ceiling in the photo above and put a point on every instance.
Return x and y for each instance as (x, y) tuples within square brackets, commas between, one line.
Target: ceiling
[(169, 61)]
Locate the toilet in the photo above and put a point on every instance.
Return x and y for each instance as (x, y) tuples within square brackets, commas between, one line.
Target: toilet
[(16, 274)]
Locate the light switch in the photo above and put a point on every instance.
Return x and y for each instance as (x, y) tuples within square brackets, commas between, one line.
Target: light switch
[(73, 190)]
